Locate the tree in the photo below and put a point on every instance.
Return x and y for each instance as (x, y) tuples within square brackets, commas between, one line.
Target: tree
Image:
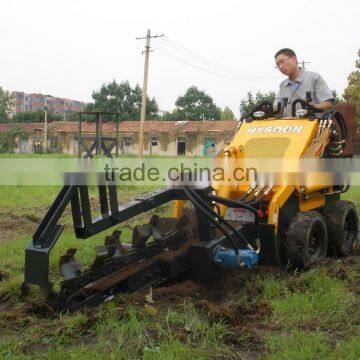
[(247, 104), (197, 105), (122, 98), (227, 114), (352, 92), (35, 116), (337, 98), (173, 115), (7, 139), (5, 105)]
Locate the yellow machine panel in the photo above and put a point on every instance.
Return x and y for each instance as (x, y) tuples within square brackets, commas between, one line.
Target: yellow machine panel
[(282, 139), (268, 139)]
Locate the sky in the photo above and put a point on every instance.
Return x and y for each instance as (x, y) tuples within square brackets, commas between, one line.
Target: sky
[(69, 48)]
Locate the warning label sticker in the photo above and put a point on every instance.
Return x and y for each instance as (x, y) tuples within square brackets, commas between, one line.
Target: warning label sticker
[(239, 214)]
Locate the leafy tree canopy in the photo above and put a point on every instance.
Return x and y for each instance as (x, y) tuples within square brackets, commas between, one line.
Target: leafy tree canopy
[(197, 105), (5, 105), (123, 98), (251, 101), (173, 115), (352, 91), (337, 98), (227, 114), (36, 116)]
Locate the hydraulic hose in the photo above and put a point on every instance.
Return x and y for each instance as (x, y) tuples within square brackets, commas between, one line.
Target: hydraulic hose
[(337, 116), (221, 219), (212, 219), (304, 105), (237, 204)]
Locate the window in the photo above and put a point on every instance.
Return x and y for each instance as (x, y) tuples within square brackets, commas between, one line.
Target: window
[(54, 143), (181, 146), (154, 141), (127, 144), (24, 146)]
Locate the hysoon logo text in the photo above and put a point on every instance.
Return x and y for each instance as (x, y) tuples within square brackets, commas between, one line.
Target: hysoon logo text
[(274, 129)]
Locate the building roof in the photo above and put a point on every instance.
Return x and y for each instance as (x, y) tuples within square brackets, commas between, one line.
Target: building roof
[(45, 95), (151, 126), (28, 127)]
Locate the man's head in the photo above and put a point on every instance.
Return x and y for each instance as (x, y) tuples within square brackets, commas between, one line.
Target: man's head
[(286, 61)]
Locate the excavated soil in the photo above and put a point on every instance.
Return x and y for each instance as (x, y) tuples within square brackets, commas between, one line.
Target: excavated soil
[(12, 225), (217, 299)]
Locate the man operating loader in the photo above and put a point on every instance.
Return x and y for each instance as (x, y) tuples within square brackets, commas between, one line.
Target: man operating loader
[(300, 84)]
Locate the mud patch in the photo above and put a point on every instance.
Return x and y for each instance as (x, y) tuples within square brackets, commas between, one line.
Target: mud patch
[(357, 250), (235, 313), (171, 295), (5, 305), (32, 218), (178, 293), (40, 310), (12, 225)]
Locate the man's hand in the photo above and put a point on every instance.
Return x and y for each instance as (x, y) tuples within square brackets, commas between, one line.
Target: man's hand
[(325, 105)]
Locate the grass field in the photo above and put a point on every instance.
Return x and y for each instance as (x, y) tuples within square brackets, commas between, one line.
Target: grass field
[(264, 313)]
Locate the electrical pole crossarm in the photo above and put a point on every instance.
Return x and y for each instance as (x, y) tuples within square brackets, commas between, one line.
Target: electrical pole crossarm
[(152, 37), (303, 64)]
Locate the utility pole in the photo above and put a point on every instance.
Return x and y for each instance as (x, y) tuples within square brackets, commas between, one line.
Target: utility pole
[(45, 130), (303, 64), (144, 90)]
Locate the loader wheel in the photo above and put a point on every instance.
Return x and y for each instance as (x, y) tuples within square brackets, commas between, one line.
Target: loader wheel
[(306, 239), (342, 224)]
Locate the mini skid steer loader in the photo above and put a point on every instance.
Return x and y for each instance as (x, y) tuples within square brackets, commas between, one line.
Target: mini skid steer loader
[(229, 226)]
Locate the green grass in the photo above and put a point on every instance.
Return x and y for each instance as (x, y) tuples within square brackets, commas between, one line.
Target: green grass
[(17, 199), (310, 345), (56, 155), (313, 315), (316, 300)]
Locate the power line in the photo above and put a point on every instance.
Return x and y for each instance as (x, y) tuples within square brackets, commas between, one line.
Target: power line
[(194, 56), (222, 75), (190, 64), (202, 60)]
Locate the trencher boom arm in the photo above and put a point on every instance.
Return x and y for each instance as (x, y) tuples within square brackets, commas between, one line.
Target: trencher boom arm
[(48, 232), (138, 266)]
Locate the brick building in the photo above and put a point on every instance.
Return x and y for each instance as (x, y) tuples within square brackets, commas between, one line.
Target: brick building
[(189, 138), (24, 102)]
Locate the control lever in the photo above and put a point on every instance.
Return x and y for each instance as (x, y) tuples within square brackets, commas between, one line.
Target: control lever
[(308, 97), (285, 102)]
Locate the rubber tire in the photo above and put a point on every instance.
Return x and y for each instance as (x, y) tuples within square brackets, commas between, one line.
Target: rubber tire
[(335, 217), (297, 240)]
